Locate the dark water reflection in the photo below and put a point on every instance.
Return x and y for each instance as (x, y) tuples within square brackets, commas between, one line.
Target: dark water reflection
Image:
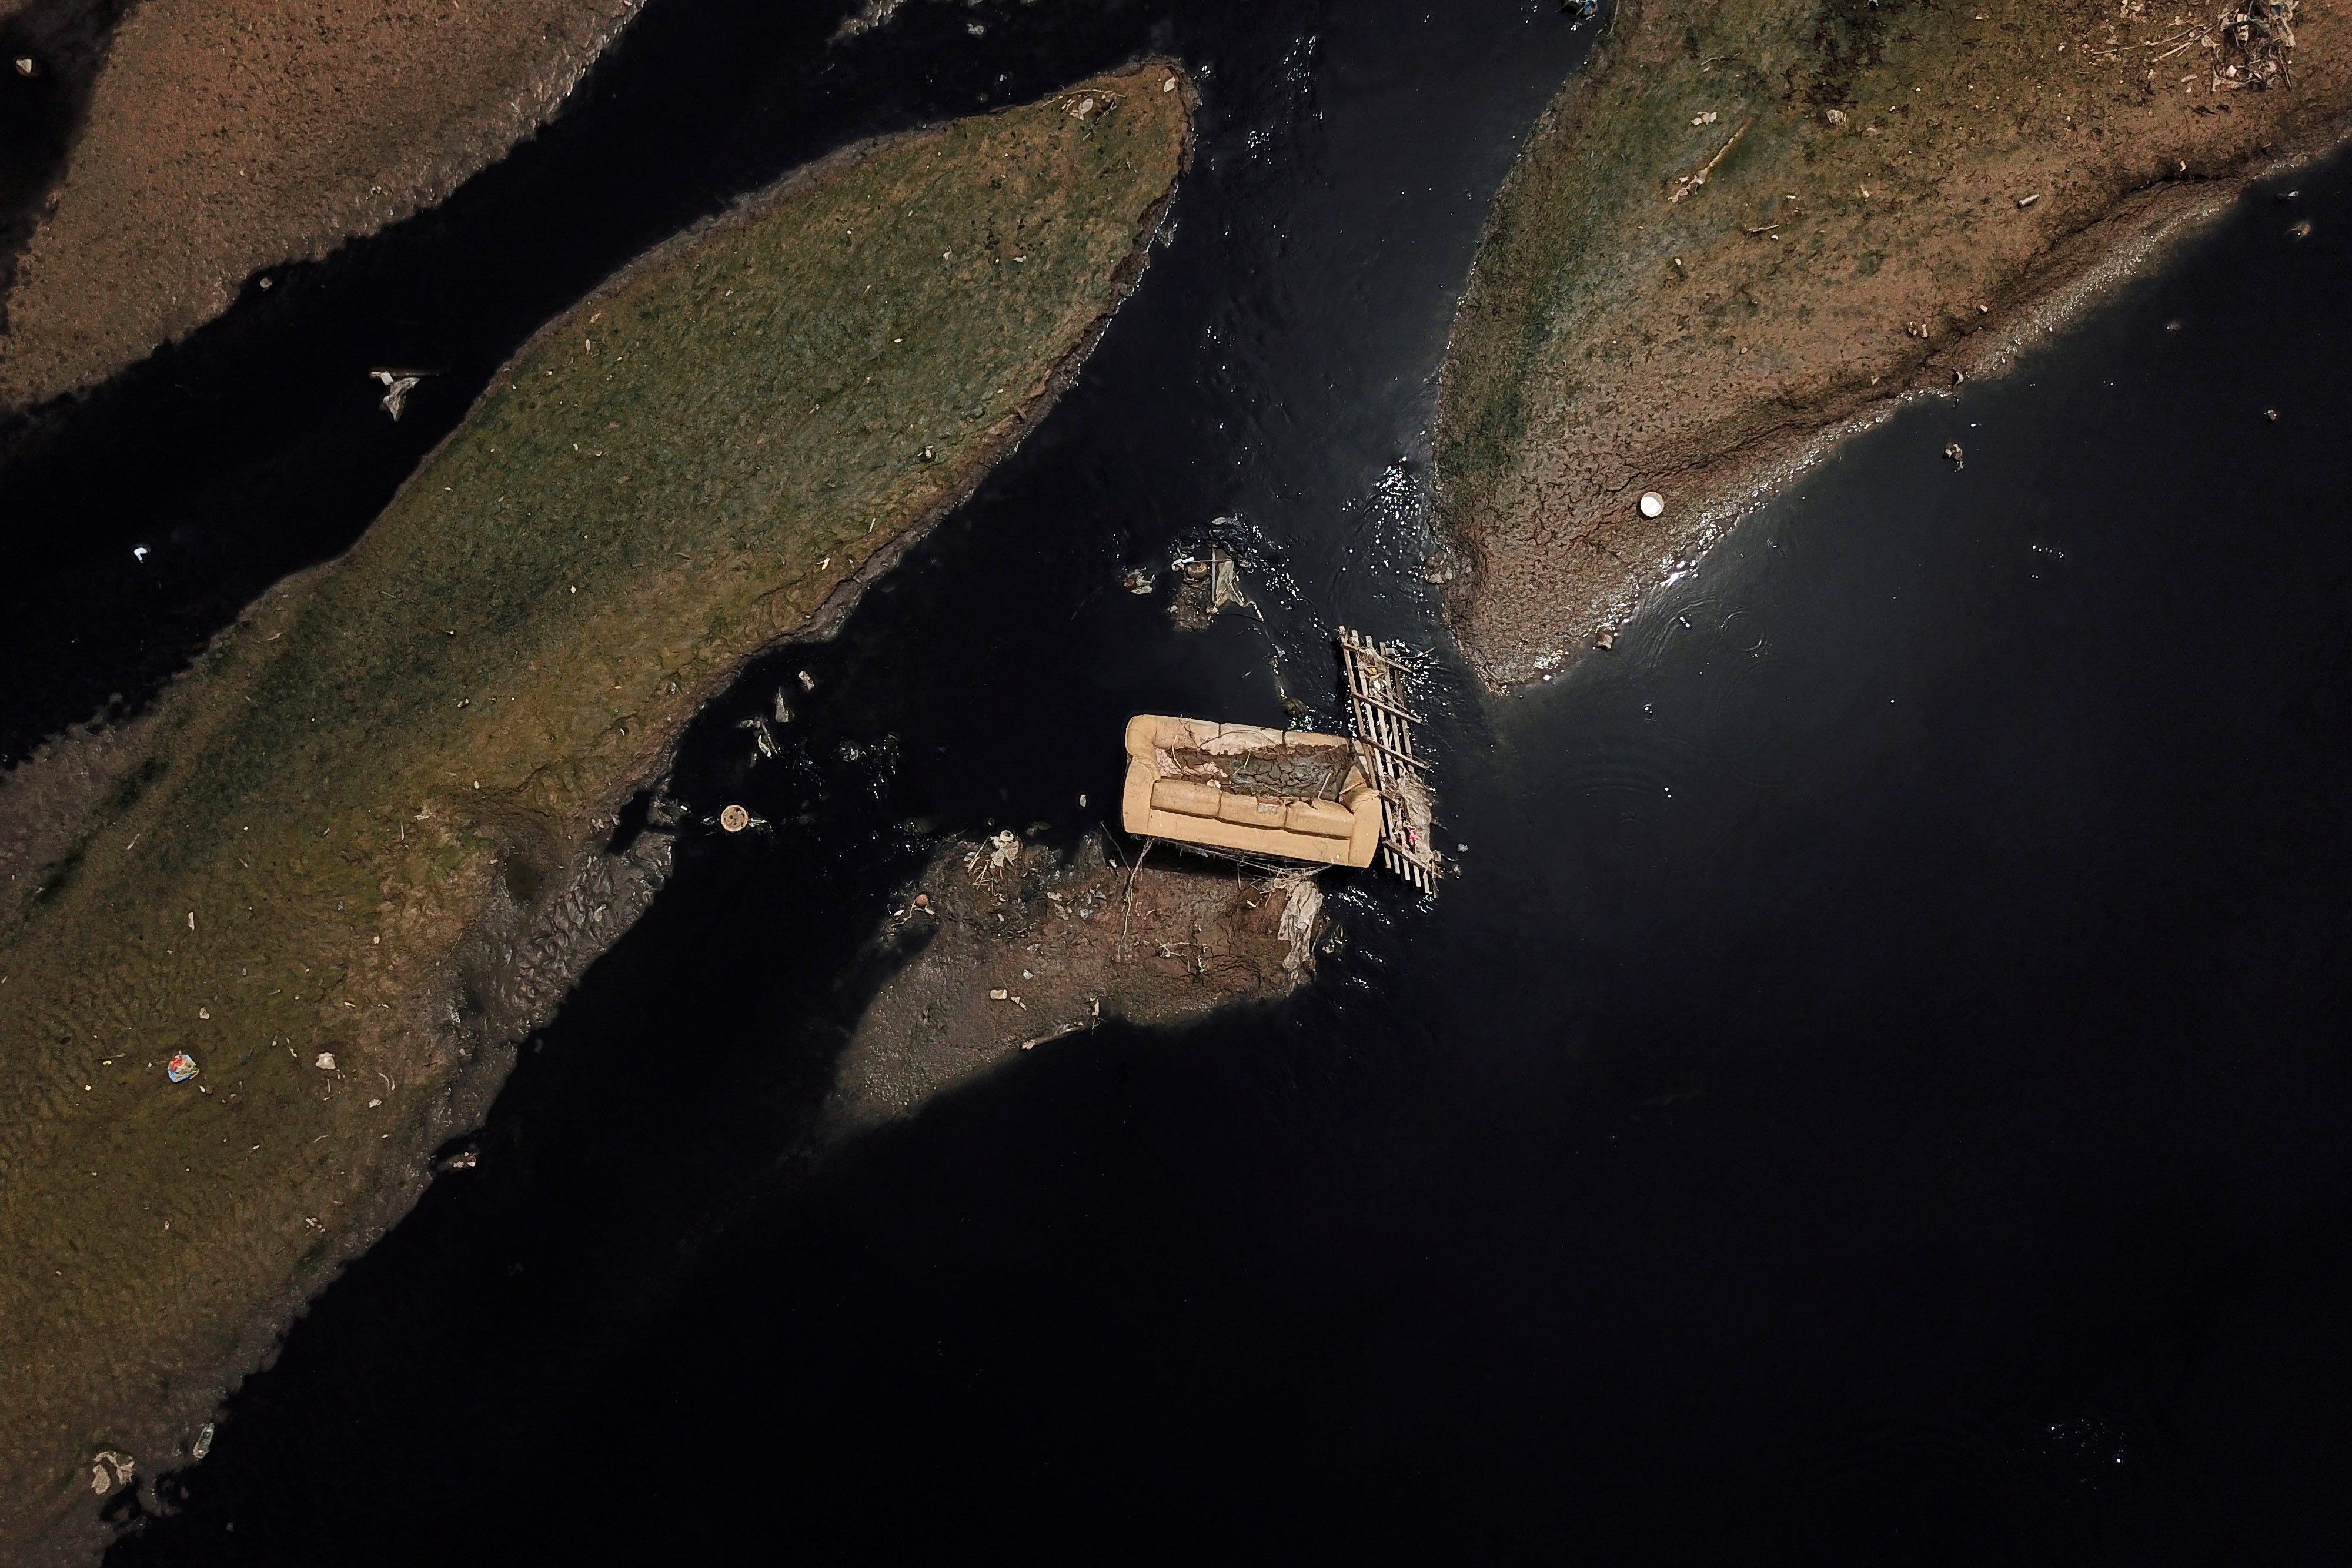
[(1875, 1091)]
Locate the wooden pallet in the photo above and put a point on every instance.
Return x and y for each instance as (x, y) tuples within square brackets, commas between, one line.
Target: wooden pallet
[(1384, 721)]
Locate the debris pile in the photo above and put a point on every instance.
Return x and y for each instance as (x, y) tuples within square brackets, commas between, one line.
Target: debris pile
[(2241, 46), (1206, 587)]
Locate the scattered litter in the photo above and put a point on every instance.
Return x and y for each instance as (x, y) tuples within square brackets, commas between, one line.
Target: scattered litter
[(462, 1160), (109, 1469), (326, 1061), (204, 1013), (397, 385), (808, 682), (203, 1443), (1687, 183), (2024, 202), (1168, 86), (1605, 639), (1083, 107), (1140, 580), (993, 856), (1034, 1040), (1953, 451), (1834, 116), (763, 739), (734, 818), (1652, 504), (373, 1103), (181, 1067), (923, 902), (783, 711), (2299, 231), (1707, 119), (999, 994)]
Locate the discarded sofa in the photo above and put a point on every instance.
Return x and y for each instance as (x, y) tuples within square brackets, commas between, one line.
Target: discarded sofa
[(1247, 789)]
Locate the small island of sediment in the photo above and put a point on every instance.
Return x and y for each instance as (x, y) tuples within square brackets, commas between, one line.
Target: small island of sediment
[(363, 845), (1752, 224)]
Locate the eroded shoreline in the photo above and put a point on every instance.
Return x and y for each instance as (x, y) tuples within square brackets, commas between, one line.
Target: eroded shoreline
[(221, 140), (475, 899), (1896, 198)]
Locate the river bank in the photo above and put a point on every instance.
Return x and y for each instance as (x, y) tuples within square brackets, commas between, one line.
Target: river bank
[(1750, 229), (222, 139), (369, 841), (1009, 946)]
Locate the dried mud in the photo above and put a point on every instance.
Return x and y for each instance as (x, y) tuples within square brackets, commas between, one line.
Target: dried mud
[(1902, 195), (1016, 948), (225, 137)]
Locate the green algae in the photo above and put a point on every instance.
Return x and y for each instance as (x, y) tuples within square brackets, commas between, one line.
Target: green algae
[(707, 455)]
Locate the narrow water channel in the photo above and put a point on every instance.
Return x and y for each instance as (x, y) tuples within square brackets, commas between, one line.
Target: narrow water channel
[(1875, 1090)]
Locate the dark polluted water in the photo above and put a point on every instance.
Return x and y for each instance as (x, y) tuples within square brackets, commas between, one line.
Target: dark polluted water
[(1873, 1093)]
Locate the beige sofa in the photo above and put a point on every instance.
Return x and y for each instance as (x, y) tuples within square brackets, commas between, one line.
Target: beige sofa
[(1163, 800)]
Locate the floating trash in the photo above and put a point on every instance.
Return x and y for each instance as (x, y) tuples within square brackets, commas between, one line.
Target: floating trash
[(397, 385), (1953, 451), (734, 818), (1141, 580), (180, 1068), (1652, 504), (203, 1444)]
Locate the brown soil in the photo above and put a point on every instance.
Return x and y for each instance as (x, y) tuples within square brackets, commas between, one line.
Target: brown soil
[(1017, 956), (227, 136), (1897, 194)]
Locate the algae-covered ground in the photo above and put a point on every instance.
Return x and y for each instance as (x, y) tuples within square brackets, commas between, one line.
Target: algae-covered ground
[(361, 847), (1893, 191)]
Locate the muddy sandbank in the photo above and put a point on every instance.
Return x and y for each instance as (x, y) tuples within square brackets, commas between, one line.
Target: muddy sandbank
[(223, 136), (1753, 225), (362, 846)]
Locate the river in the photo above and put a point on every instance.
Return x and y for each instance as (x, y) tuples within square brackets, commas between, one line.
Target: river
[(1873, 1089)]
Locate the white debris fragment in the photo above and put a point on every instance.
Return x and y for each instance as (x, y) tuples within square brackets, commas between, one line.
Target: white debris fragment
[(397, 385)]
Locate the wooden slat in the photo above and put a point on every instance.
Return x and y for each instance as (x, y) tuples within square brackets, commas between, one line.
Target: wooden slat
[(1385, 726)]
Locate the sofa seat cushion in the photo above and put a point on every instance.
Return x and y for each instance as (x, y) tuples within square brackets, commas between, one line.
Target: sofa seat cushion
[(1185, 797), (1324, 818), (1249, 811)]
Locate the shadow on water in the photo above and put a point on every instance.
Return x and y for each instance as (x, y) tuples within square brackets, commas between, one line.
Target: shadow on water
[(1874, 1090)]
